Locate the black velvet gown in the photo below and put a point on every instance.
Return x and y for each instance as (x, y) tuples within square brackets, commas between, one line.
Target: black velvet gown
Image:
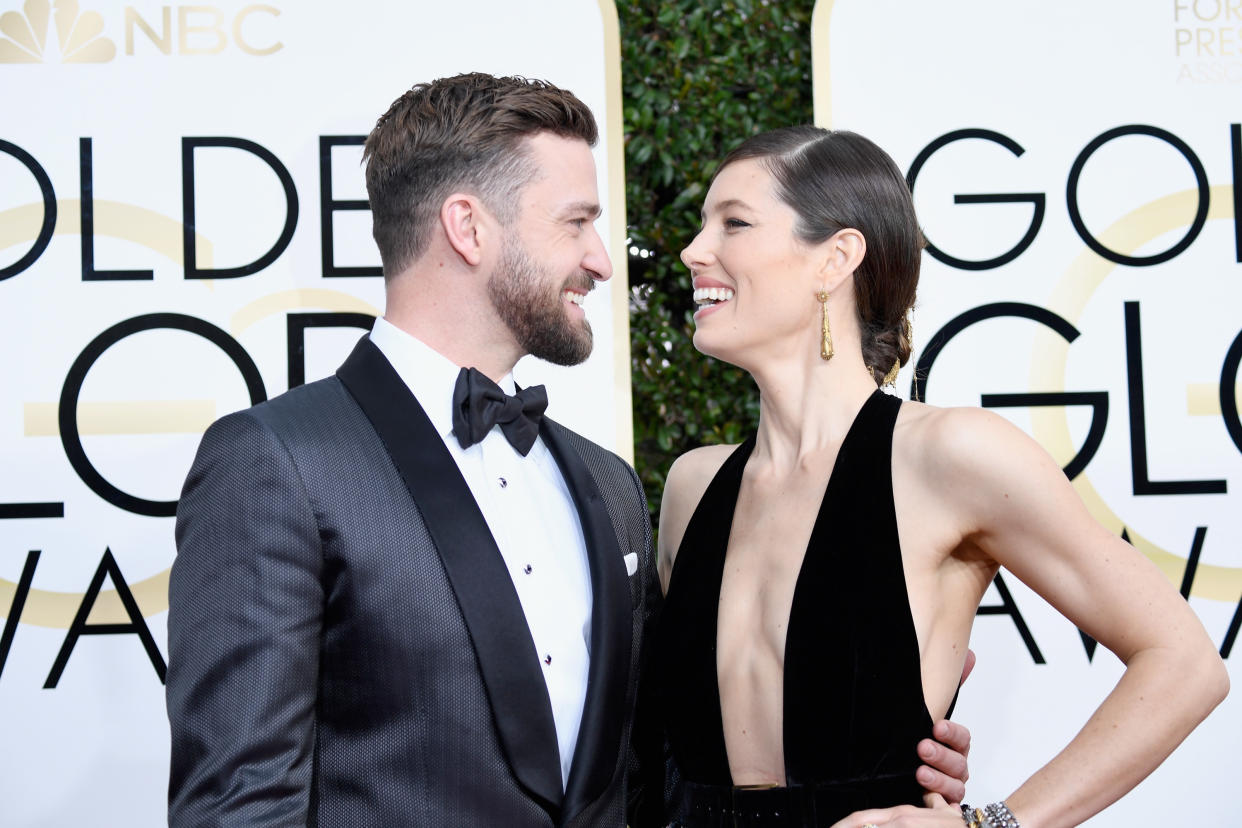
[(853, 698)]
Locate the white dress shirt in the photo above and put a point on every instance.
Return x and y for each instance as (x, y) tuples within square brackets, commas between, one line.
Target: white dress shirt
[(531, 514)]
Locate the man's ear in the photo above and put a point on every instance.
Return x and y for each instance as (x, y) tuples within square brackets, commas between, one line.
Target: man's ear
[(465, 226), (843, 253)]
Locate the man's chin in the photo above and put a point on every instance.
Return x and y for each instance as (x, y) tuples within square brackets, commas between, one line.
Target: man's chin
[(564, 352), (564, 358)]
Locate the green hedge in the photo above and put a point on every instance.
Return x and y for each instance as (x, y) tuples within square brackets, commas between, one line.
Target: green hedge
[(699, 77)]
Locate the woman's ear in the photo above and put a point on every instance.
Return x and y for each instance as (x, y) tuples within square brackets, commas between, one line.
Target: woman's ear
[(464, 223), (844, 252)]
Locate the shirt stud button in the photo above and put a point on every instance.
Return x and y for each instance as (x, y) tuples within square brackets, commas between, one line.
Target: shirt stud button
[(547, 659), (528, 569), (503, 483)]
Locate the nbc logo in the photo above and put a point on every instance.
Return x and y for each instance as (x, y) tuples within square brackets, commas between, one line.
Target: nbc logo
[(78, 35), (173, 30)]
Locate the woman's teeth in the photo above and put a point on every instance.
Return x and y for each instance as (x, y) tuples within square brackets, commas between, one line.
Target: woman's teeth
[(707, 296)]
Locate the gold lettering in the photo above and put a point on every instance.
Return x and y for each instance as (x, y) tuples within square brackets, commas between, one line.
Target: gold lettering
[(1215, 10), (254, 50), (1228, 48), (1184, 38), (1203, 42), (1207, 11), (164, 41), (184, 29)]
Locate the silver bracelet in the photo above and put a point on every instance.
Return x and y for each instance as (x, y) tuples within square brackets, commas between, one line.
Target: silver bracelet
[(1000, 816), (996, 815)]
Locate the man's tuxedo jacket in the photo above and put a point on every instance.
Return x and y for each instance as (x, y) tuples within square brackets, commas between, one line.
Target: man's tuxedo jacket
[(346, 647)]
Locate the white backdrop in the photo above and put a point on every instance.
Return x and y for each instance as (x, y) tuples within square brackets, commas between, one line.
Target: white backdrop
[(116, 355), (1112, 115)]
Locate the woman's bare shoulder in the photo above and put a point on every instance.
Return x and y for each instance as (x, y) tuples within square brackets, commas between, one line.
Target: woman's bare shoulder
[(687, 480), (939, 440), (976, 465), (700, 464)]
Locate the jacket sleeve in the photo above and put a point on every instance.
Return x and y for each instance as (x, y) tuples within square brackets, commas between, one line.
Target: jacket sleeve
[(244, 619)]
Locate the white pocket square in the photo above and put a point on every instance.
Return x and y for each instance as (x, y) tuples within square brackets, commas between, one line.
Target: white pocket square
[(631, 563)]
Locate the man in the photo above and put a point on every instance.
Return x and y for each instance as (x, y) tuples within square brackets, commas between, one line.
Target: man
[(402, 597)]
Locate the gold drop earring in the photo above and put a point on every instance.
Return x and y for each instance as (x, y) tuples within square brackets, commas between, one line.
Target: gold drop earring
[(825, 342), (891, 377)]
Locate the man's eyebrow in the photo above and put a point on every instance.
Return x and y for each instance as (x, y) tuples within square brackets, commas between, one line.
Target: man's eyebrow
[(577, 208), (727, 204)]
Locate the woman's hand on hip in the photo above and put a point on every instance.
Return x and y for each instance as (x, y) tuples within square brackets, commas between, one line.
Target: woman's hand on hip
[(942, 815)]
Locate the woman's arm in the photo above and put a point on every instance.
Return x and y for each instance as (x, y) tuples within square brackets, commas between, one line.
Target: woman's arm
[(1016, 506), (1031, 521)]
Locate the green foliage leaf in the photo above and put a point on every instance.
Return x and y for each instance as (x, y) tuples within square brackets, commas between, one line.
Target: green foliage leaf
[(698, 77)]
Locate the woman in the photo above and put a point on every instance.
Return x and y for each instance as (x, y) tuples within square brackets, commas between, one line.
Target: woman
[(823, 576)]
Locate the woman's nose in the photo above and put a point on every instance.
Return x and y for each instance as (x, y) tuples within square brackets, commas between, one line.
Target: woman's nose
[(695, 256)]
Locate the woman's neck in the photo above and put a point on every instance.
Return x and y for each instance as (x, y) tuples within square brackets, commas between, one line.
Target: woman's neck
[(806, 407)]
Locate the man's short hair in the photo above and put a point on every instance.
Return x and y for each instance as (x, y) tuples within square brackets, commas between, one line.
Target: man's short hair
[(465, 133)]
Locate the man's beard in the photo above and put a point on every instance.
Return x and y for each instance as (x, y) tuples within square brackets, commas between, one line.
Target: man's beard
[(522, 295)]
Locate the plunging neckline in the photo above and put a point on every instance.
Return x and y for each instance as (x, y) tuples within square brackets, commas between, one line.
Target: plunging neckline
[(852, 704), (743, 453)]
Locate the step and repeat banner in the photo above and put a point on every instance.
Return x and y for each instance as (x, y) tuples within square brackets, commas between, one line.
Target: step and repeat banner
[(184, 232), (1077, 168)]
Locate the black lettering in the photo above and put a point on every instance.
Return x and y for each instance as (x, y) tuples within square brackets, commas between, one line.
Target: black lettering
[(1071, 195), (192, 271), (1229, 391), (295, 336), (329, 205), (1098, 400), (44, 238), (136, 626), (1192, 562), (1008, 607), (1143, 485), (1035, 199), (1235, 146), (68, 408), (1089, 646), (15, 608), (18, 511), (87, 212), (1231, 636), (961, 322)]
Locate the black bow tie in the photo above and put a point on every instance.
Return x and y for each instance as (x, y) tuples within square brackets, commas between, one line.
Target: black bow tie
[(479, 404)]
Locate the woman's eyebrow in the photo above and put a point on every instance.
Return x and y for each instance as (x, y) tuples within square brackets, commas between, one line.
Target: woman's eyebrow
[(727, 204)]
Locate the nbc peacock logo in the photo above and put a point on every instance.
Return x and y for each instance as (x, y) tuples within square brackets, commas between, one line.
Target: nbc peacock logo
[(79, 34)]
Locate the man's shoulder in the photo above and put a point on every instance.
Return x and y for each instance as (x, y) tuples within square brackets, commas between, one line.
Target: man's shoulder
[(616, 478), (310, 401), (593, 453), (306, 410), (310, 396)]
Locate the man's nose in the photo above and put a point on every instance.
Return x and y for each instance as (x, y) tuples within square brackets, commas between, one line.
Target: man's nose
[(596, 261)]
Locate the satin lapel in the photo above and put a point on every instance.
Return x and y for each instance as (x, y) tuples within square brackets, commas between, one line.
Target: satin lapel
[(475, 568), (599, 738)]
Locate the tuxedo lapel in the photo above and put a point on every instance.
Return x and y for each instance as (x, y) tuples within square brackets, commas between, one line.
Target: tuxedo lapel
[(485, 593), (599, 737)]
